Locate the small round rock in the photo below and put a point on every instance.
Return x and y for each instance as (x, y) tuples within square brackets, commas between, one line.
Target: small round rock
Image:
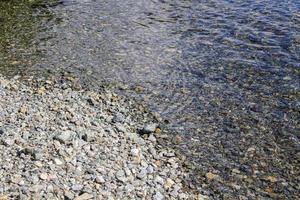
[(134, 152)]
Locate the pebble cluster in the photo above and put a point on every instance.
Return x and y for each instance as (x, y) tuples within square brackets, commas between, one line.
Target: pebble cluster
[(61, 143)]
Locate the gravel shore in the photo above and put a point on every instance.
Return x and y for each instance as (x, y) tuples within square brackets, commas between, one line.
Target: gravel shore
[(57, 142)]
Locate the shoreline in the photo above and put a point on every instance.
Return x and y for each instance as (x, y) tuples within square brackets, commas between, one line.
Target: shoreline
[(59, 142), (228, 103)]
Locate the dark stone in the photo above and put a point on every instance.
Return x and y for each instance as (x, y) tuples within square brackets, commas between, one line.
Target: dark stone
[(246, 169)]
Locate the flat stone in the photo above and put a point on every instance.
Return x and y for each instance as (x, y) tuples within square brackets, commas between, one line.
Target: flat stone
[(202, 197), (38, 155), (58, 161), (65, 137), (183, 196), (44, 176), (169, 154), (149, 128), (34, 179), (211, 176), (38, 163), (77, 187), (129, 188), (152, 138), (133, 136), (120, 128), (159, 180), (120, 175), (17, 179), (100, 179)]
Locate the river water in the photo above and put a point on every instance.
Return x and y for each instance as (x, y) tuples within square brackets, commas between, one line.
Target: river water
[(223, 74)]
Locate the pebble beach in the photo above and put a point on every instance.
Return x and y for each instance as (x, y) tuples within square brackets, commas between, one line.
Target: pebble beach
[(58, 142), (156, 99)]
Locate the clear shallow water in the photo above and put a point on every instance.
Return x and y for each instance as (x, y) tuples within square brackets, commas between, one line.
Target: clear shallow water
[(225, 74)]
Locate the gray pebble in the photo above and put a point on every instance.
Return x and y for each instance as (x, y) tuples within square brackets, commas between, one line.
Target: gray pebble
[(38, 155), (77, 187), (8, 142), (150, 169), (118, 118), (84, 196), (120, 175), (120, 128), (100, 179), (88, 137), (65, 137), (134, 152), (142, 174), (69, 195), (152, 138), (158, 196), (129, 188), (71, 149), (149, 128), (159, 180)]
